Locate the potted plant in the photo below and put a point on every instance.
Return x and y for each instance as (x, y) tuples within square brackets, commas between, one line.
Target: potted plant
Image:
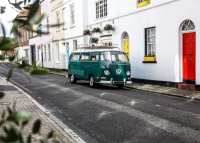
[(94, 40), (150, 57), (96, 30), (108, 27), (86, 32)]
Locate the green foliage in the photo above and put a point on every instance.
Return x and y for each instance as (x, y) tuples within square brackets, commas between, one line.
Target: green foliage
[(108, 27), (37, 70), (94, 40), (96, 30), (13, 122), (36, 127), (11, 58), (2, 58), (86, 32), (1, 95)]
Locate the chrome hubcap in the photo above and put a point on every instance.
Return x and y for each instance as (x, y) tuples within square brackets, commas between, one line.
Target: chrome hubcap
[(72, 77), (91, 81)]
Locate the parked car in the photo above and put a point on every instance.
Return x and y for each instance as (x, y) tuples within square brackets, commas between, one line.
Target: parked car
[(104, 66)]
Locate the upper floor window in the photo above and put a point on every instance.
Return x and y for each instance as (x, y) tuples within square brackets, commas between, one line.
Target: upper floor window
[(143, 3), (24, 36), (101, 9), (150, 42), (58, 21), (31, 33), (27, 36), (72, 15), (47, 24), (49, 49)]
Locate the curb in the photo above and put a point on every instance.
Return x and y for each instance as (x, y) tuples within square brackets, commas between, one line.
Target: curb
[(57, 74), (175, 95), (64, 127)]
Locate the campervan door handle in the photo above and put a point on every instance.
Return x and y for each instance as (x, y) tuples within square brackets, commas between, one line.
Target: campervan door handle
[(87, 66)]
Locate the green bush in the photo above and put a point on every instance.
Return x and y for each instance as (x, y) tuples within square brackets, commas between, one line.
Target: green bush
[(2, 58)]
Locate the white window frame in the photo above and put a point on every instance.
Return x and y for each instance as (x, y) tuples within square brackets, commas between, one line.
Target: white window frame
[(38, 47), (65, 19), (57, 52), (58, 20), (72, 12), (150, 41), (45, 52), (24, 36), (49, 50), (27, 36), (47, 20), (30, 33), (101, 9)]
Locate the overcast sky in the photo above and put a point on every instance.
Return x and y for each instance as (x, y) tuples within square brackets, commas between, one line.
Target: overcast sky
[(8, 16)]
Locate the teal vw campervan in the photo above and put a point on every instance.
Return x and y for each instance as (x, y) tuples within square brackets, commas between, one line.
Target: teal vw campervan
[(101, 65)]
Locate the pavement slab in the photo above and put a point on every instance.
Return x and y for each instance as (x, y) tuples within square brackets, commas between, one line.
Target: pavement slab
[(23, 103)]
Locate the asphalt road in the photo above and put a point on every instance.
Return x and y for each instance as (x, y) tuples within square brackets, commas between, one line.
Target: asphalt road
[(108, 114)]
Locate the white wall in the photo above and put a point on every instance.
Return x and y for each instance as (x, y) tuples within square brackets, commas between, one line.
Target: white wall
[(166, 16)]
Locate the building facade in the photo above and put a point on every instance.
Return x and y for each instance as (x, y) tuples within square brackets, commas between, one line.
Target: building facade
[(41, 44), (75, 21), (158, 35), (58, 42), (27, 32)]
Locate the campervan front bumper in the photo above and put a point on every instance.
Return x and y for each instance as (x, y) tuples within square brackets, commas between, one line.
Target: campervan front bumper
[(112, 82)]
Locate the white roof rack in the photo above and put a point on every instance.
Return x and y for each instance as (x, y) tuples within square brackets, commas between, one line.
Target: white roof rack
[(96, 48)]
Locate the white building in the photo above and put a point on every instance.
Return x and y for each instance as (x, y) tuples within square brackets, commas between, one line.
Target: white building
[(167, 29), (75, 19)]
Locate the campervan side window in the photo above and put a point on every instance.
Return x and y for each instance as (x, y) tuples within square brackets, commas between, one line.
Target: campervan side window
[(75, 57), (94, 57), (84, 56)]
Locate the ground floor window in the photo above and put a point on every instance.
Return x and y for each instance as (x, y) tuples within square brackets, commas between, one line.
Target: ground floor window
[(45, 52), (38, 52), (150, 42), (57, 52), (49, 50)]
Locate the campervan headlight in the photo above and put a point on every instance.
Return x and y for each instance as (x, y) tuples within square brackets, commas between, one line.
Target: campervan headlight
[(106, 72), (128, 73)]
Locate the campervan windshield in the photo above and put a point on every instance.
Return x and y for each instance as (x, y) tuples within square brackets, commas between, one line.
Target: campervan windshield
[(114, 56)]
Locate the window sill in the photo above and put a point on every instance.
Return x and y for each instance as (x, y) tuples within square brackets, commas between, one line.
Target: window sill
[(145, 62), (72, 26), (144, 3), (100, 18), (58, 30), (57, 62)]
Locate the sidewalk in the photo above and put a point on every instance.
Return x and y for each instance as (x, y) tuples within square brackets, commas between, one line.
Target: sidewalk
[(25, 103), (194, 95)]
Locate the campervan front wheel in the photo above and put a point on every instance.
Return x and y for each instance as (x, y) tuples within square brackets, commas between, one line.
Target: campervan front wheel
[(73, 79), (92, 81)]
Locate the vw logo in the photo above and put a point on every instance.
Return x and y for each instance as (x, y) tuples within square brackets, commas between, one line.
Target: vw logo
[(118, 71)]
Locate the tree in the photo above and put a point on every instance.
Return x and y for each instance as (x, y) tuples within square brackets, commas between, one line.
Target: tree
[(12, 121)]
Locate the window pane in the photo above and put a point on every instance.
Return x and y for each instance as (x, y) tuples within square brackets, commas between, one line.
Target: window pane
[(94, 57), (84, 57), (75, 57)]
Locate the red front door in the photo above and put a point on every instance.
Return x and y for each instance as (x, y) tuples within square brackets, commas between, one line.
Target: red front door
[(189, 56)]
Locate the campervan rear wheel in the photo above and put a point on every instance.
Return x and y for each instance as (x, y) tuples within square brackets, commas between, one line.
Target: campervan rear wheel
[(73, 78), (120, 86), (92, 81)]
